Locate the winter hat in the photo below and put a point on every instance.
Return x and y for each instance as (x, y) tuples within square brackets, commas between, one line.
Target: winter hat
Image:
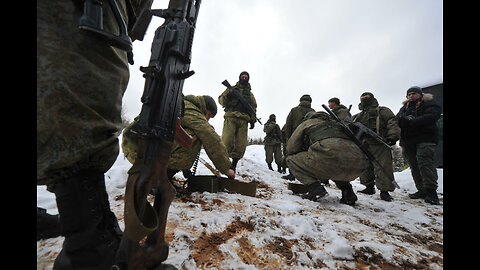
[(415, 89), (336, 100), (210, 104), (306, 98)]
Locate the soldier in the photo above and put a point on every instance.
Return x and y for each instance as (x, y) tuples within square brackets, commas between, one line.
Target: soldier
[(338, 109), (272, 142), (294, 118), (235, 133), (80, 83), (417, 119), (381, 120), (198, 111), (319, 149)]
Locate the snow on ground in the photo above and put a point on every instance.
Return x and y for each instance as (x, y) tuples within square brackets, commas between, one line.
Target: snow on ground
[(279, 230)]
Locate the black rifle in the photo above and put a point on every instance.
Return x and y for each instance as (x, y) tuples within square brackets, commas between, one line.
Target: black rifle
[(245, 104), (157, 128), (357, 141), (360, 129)]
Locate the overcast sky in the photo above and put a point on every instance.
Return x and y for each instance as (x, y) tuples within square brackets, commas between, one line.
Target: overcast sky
[(325, 48)]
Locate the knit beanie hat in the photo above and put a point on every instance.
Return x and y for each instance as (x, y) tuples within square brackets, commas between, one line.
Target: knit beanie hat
[(415, 89)]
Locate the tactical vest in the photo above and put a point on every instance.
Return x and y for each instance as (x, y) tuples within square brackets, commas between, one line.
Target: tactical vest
[(234, 105), (328, 129)]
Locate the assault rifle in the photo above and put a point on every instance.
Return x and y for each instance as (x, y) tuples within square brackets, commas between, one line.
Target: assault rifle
[(358, 142), (360, 130), (157, 123), (245, 104)]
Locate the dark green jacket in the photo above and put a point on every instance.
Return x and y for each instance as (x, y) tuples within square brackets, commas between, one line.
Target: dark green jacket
[(295, 117)]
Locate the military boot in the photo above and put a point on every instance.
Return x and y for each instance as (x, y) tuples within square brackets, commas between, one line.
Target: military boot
[(348, 195), (315, 192), (270, 166), (234, 164), (289, 176), (370, 190), (279, 168), (48, 226), (431, 197), (417, 195), (92, 235), (384, 195)]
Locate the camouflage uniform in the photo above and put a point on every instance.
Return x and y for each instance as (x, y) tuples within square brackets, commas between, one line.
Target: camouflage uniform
[(80, 83), (319, 149), (272, 141), (235, 126), (341, 112), (381, 120)]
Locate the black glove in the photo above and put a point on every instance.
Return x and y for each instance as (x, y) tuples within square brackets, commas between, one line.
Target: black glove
[(252, 125), (390, 142), (409, 118)]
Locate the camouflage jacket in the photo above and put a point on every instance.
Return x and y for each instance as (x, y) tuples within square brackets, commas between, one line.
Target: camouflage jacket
[(379, 119), (341, 112), (273, 133), (318, 126), (195, 124), (233, 107)]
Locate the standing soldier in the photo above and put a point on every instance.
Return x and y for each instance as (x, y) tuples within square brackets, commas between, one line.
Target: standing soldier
[(272, 142), (381, 120), (294, 118), (80, 83), (338, 109), (237, 117), (417, 119)]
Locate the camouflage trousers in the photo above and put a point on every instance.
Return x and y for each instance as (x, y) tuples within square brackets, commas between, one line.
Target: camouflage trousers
[(80, 84), (274, 150), (420, 157), (374, 175), (235, 136), (337, 159)]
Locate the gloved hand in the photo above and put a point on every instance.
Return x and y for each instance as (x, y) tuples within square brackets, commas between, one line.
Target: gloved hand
[(390, 141), (252, 125), (409, 118)]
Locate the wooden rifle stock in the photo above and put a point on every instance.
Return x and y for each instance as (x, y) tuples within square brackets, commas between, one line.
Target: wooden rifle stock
[(181, 136), (158, 126)]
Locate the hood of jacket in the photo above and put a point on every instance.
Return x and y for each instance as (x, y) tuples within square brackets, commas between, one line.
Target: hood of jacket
[(426, 98), (198, 102)]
